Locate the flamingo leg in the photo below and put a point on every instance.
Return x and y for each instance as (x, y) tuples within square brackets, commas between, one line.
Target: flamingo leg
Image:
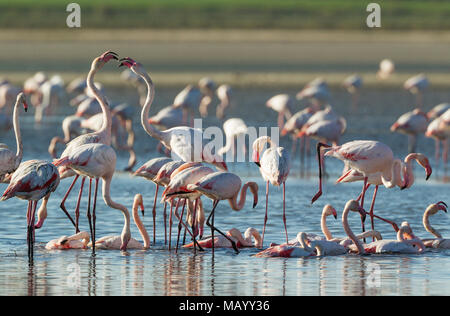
[(29, 228), (445, 152), (284, 211), (62, 205), (436, 155), (165, 223), (77, 209), (170, 221), (213, 228), (375, 191), (94, 217), (265, 216), (180, 218), (154, 214), (302, 156), (320, 160), (88, 214), (185, 226)]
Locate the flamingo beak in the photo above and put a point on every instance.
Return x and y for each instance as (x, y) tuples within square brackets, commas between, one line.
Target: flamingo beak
[(255, 158), (25, 106), (428, 171), (363, 214), (142, 209)]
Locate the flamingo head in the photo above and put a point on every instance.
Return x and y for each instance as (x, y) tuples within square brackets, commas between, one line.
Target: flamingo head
[(258, 146), (354, 206), (126, 236), (422, 160), (132, 64), (434, 208), (329, 210), (395, 127), (21, 98), (100, 61), (139, 201)]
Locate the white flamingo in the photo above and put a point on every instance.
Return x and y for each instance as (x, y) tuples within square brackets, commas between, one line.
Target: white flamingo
[(438, 242)]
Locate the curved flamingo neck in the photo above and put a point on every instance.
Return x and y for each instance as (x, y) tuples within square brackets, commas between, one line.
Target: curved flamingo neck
[(302, 238), (408, 173), (16, 124), (249, 233), (350, 233), (107, 119), (395, 173), (427, 225), (140, 225), (126, 231), (323, 225), (149, 129), (233, 201)]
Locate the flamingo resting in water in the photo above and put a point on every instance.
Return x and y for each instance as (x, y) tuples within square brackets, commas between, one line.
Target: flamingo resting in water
[(236, 235), (77, 241), (437, 242), (274, 166), (32, 181)]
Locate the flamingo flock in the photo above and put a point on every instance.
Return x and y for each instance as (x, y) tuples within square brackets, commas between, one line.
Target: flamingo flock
[(189, 175)]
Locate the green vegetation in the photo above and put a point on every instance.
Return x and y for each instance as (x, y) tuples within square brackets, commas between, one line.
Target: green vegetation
[(238, 14)]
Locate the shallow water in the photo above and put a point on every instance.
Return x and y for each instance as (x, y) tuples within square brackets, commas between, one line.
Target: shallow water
[(160, 272)]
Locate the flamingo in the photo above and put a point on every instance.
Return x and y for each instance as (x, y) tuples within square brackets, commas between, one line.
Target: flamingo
[(77, 241), (386, 69), (207, 87), (411, 123), (233, 128), (283, 104), (445, 121), (149, 171), (290, 251), (115, 242), (325, 131), (71, 126), (32, 181), (188, 99), (438, 242), (274, 165), (224, 186), (137, 82), (7, 94), (224, 93), (236, 236), (52, 91), (353, 85), (371, 157), (102, 136), (180, 140), (9, 161), (438, 110), (76, 85), (96, 161), (435, 131), (416, 85), (316, 90)]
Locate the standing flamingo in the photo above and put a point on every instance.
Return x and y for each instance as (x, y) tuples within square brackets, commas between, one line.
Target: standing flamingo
[(412, 124), (386, 69), (283, 104), (33, 180), (182, 140), (317, 91), (71, 126), (224, 186), (233, 128), (438, 242), (353, 84), (207, 87), (435, 131), (224, 93), (438, 110), (102, 136), (9, 161), (115, 242), (416, 85), (274, 165)]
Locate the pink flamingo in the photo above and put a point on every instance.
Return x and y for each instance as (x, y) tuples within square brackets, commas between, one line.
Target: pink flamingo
[(274, 165), (233, 128), (437, 242), (102, 136), (438, 110), (325, 131), (96, 161), (283, 104), (317, 91), (368, 158), (115, 242), (353, 84), (224, 186), (411, 123), (9, 161), (149, 171), (290, 251), (207, 87), (435, 131), (236, 236), (77, 241), (180, 140), (32, 181)]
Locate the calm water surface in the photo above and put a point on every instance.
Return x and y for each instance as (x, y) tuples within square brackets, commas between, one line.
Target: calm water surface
[(160, 272)]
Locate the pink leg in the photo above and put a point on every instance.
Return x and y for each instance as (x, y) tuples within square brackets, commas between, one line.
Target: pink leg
[(180, 218), (89, 217), (170, 221), (375, 191), (77, 209), (363, 193), (165, 223), (436, 155), (265, 217), (284, 211), (154, 214), (62, 205)]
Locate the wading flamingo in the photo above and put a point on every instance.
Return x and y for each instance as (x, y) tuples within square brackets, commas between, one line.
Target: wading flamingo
[(234, 128), (102, 136), (77, 241), (234, 234), (10, 161), (438, 242), (180, 140), (32, 181), (353, 84), (438, 110), (224, 93), (412, 124), (207, 87), (274, 165), (417, 85), (435, 131), (224, 186), (290, 251), (283, 104), (115, 242)]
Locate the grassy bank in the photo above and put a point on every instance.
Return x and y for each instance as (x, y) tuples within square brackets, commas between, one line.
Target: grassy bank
[(247, 14)]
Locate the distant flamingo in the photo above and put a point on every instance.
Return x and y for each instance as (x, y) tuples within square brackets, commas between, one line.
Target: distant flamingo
[(96, 161), (224, 186), (33, 180), (71, 126), (353, 84), (236, 235), (189, 100), (283, 104), (412, 124), (234, 128), (386, 69), (224, 93), (435, 131), (115, 242), (438, 110), (9, 161), (207, 87), (102, 136), (316, 90), (77, 241), (180, 140), (416, 85), (325, 131), (274, 165), (438, 242)]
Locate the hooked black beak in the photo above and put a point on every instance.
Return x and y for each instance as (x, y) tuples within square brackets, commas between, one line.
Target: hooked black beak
[(258, 164)]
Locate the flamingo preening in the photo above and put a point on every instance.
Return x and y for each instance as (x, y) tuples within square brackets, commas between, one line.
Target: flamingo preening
[(236, 236), (438, 242), (77, 241)]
